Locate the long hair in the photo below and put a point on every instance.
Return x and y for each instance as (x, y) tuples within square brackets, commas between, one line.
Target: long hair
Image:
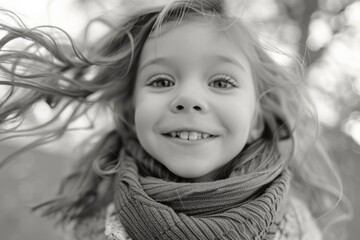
[(53, 69)]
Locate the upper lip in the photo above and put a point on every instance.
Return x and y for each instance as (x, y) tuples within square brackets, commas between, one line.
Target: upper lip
[(185, 129)]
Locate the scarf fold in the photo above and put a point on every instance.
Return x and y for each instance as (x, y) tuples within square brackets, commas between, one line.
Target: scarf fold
[(152, 204)]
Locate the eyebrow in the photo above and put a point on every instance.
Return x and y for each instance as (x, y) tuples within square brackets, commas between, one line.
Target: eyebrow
[(153, 61), (226, 59), (215, 59)]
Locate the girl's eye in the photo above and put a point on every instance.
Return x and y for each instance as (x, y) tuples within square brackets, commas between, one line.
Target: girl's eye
[(160, 81), (223, 81)]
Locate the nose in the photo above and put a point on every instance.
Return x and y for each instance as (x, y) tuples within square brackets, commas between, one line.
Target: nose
[(189, 103)]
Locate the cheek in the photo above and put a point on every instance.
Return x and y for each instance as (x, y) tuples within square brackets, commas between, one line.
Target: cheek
[(143, 119), (142, 109), (238, 119), (148, 112)]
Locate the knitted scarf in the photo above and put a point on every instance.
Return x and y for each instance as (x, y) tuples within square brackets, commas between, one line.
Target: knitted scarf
[(153, 203)]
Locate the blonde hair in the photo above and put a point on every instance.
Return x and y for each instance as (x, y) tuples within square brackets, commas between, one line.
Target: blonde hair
[(55, 71)]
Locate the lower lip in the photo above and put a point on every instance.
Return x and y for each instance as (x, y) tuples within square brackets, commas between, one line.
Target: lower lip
[(190, 142)]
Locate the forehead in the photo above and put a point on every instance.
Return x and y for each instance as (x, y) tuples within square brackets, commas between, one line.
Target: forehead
[(192, 40)]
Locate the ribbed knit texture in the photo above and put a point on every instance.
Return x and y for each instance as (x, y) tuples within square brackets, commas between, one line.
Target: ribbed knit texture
[(155, 208)]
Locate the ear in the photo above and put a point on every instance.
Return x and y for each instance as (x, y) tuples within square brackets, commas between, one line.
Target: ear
[(257, 127)]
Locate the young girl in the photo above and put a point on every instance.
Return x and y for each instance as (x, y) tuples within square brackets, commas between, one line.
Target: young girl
[(211, 140)]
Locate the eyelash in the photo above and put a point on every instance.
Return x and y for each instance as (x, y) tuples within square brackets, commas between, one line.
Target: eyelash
[(224, 79), (158, 81), (160, 78)]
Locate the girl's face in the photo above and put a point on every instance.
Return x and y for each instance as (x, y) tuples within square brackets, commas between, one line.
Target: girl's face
[(194, 99)]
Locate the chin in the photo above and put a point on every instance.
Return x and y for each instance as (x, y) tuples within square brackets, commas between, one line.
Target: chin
[(197, 176)]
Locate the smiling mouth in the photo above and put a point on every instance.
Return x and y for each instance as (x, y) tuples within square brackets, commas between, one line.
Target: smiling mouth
[(191, 136)]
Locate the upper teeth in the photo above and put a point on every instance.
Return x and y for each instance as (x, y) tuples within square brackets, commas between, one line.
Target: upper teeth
[(189, 135)]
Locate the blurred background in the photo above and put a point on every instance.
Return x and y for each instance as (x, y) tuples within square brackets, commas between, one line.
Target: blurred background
[(325, 32)]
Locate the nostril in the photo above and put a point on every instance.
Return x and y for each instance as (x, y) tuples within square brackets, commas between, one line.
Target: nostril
[(197, 108), (179, 107)]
